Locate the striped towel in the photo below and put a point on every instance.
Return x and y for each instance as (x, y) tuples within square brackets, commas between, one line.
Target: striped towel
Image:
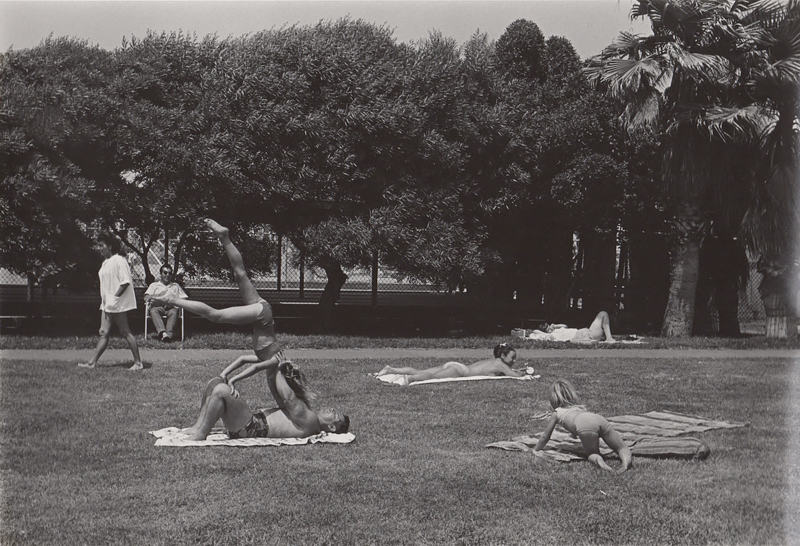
[(653, 434), (171, 436)]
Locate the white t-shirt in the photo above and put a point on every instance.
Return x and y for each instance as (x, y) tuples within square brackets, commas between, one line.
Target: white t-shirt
[(113, 273), (158, 288), (564, 334)]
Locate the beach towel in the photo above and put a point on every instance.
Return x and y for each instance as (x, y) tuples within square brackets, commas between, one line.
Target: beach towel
[(653, 434), (399, 379), (567, 335), (171, 436)]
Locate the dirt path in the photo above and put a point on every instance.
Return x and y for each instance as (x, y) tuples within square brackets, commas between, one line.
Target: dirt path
[(166, 355)]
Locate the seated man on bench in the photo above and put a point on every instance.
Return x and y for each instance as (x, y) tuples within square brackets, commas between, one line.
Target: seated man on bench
[(293, 418), (599, 330)]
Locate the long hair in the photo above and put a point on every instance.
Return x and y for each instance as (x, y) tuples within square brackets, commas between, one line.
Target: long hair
[(563, 394), (297, 381), (502, 350)]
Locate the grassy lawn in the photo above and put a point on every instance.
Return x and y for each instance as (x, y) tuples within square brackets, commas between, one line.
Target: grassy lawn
[(78, 466), (241, 340)]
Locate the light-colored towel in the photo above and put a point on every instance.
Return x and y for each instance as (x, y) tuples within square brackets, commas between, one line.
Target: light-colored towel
[(653, 434), (171, 436), (399, 379)]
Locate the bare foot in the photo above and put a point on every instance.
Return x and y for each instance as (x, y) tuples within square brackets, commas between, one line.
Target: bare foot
[(86, 365), (137, 366), (195, 436), (220, 231)]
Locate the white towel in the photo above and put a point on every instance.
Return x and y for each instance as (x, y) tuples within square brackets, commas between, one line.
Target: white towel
[(399, 379), (171, 436)]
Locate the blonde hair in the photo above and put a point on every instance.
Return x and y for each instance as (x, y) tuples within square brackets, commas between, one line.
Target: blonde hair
[(563, 394)]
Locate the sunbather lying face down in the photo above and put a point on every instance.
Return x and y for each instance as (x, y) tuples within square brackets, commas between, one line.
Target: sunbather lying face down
[(293, 418), (504, 357)]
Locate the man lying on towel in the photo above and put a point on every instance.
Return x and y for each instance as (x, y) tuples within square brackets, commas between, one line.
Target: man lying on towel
[(293, 418), (599, 330), (504, 357)]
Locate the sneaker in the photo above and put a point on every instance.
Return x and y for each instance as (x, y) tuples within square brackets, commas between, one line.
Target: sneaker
[(167, 338)]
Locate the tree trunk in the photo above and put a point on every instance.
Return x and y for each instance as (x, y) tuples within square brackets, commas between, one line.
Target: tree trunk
[(776, 293), (679, 316), (330, 294), (689, 227)]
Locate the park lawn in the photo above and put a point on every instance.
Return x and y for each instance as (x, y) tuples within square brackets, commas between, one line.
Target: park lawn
[(239, 339), (79, 467)]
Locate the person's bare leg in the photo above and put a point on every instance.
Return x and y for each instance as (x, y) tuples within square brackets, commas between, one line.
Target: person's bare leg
[(390, 369), (591, 445), (201, 417), (102, 343), (222, 405), (601, 327), (435, 373), (241, 314), (246, 289), (121, 320), (614, 440)]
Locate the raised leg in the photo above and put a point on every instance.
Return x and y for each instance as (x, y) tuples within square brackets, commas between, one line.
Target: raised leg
[(601, 327), (220, 405), (246, 289)]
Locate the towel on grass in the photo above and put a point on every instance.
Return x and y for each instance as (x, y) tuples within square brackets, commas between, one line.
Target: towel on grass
[(171, 436), (399, 379), (653, 434)]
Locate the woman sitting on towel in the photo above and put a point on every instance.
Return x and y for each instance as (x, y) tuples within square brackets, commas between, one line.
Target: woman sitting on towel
[(504, 357), (587, 426)]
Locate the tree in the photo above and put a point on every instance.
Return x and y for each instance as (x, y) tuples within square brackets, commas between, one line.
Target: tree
[(53, 96), (159, 130), (695, 81)]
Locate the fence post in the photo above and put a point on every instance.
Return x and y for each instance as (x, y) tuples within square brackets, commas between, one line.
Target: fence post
[(302, 275), (166, 247), (280, 261), (375, 278)]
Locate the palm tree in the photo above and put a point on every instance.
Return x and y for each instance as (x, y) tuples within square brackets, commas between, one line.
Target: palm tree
[(716, 80)]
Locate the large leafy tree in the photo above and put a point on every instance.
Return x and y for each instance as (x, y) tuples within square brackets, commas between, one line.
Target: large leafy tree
[(53, 148), (155, 193)]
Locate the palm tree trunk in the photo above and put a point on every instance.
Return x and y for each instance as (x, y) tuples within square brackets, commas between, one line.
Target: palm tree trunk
[(776, 293), (679, 315), (684, 270)]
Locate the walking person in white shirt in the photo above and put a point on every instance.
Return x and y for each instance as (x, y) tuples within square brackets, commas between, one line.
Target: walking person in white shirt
[(117, 298), (164, 287)]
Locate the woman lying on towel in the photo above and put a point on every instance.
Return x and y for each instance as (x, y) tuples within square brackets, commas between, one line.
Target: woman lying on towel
[(599, 330), (293, 418), (581, 423), (504, 357)]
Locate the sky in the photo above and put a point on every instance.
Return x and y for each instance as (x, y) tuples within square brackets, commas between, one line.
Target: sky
[(588, 24)]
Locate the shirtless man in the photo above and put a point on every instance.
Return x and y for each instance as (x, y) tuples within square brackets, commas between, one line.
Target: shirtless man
[(293, 418), (504, 357), (599, 330)]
